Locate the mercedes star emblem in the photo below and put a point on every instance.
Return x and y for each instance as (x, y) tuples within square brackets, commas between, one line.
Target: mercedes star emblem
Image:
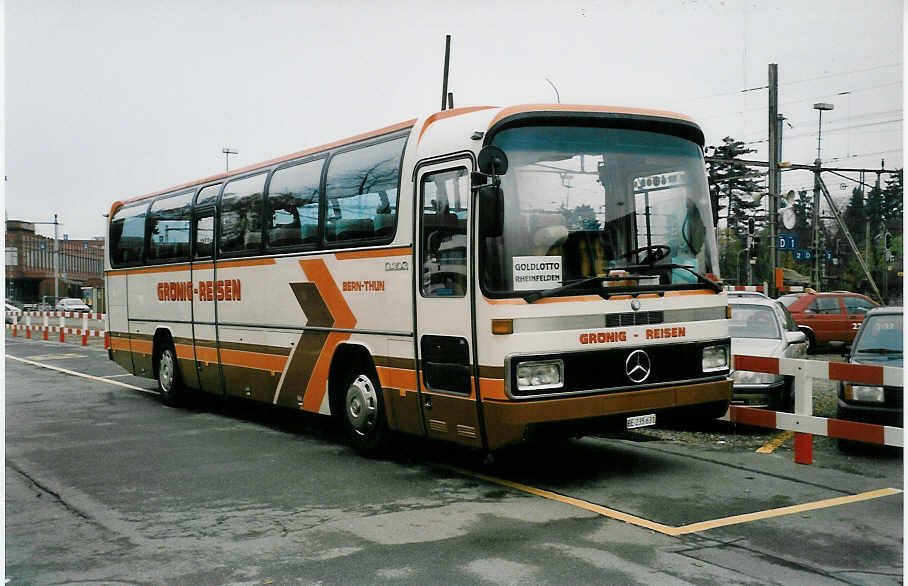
[(637, 366), (635, 304)]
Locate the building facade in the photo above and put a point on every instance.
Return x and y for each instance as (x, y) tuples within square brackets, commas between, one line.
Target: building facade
[(30, 265)]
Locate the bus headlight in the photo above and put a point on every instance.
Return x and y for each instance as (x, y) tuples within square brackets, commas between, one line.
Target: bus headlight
[(864, 393), (715, 358), (548, 374)]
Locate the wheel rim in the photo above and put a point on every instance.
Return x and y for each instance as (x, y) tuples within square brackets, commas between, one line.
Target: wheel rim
[(166, 370), (361, 405)]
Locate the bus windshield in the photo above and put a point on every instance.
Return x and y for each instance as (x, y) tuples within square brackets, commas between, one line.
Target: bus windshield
[(585, 202)]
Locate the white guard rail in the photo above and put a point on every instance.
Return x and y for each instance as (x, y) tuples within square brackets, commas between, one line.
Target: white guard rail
[(23, 321), (802, 421)]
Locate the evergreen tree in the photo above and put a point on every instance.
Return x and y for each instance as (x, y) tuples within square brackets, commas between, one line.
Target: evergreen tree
[(854, 213), (735, 182), (892, 203)]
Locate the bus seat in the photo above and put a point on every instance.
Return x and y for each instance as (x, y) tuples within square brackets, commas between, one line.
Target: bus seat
[(252, 239), (309, 233), (384, 224), (549, 234), (354, 229), (584, 254), (284, 235), (331, 229)]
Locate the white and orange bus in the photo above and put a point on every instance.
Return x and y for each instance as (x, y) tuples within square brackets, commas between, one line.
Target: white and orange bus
[(480, 275)]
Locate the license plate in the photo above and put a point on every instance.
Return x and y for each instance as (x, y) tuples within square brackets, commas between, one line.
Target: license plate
[(641, 421)]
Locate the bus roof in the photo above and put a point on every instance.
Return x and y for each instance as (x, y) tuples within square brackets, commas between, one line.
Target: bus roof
[(499, 114)]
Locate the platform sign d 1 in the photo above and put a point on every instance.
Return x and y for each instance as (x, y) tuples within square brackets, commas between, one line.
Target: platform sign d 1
[(787, 241)]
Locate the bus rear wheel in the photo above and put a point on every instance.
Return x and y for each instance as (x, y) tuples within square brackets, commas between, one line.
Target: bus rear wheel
[(169, 384), (364, 415)]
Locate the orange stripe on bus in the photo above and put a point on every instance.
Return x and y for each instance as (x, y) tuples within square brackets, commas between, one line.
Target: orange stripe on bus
[(184, 351), (397, 378), (317, 272), (492, 388), (227, 264), (376, 253), (248, 262), (518, 301), (448, 114), (119, 343), (257, 360), (693, 292), (141, 346), (206, 354)]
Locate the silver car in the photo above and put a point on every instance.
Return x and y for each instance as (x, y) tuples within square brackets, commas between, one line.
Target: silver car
[(72, 304), (763, 327)]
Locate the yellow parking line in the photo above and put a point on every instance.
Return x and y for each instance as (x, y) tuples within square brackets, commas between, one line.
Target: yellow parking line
[(684, 529), (773, 444), (604, 511), (833, 502)]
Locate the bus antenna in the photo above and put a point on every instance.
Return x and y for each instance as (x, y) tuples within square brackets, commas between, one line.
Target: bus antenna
[(444, 82)]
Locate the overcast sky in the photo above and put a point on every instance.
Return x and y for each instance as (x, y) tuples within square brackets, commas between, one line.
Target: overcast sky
[(106, 100)]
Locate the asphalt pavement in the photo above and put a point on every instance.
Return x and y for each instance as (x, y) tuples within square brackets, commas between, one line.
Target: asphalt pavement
[(105, 485)]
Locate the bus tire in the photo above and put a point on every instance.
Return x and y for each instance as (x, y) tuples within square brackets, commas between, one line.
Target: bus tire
[(364, 414), (169, 383)]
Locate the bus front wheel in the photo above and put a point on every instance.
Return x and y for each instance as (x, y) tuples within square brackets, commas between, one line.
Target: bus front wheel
[(364, 415), (168, 377)]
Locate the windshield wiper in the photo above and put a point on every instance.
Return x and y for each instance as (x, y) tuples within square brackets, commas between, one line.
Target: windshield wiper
[(879, 350), (717, 287), (537, 295)]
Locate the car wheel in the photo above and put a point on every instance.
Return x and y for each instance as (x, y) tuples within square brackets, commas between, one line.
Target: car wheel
[(169, 384), (811, 341), (364, 415)]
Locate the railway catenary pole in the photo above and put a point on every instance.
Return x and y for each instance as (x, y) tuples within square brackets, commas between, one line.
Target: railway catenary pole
[(774, 147)]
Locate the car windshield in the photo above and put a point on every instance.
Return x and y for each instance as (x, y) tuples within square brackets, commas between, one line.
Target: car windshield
[(787, 300), (880, 333), (582, 202), (753, 321)]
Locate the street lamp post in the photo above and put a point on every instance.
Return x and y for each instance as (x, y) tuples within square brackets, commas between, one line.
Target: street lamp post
[(819, 107), (56, 256), (227, 152)]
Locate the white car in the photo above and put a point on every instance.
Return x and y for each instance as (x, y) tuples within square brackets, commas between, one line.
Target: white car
[(11, 311), (72, 304), (763, 327)]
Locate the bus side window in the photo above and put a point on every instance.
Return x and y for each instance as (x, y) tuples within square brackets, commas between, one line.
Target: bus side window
[(291, 217), (443, 255), (241, 215), (361, 191), (204, 237), (168, 227), (127, 235)]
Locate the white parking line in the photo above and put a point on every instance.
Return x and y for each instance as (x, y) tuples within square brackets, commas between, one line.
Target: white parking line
[(83, 375)]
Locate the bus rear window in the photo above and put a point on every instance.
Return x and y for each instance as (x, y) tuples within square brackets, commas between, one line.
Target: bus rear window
[(127, 235)]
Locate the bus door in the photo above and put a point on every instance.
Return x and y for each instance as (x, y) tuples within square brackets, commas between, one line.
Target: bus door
[(444, 341), (204, 312)]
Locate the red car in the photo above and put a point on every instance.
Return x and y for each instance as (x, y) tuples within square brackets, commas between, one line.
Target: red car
[(828, 317)]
